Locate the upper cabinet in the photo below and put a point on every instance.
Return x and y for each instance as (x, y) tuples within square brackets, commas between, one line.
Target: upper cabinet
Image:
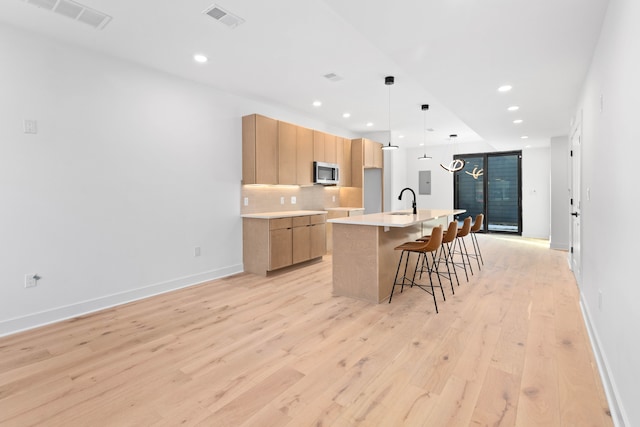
[(324, 147), (365, 154), (343, 158), (276, 152), (357, 162), (287, 153), (259, 150), (372, 154), (295, 154), (304, 152), (318, 146), (330, 155)]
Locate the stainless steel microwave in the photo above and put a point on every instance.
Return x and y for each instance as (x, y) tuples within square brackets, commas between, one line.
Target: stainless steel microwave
[(326, 173)]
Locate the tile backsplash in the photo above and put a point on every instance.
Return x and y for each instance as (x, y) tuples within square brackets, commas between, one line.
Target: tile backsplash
[(269, 198)]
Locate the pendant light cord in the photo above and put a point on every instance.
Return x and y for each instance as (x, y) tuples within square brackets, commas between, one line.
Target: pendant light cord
[(389, 114)]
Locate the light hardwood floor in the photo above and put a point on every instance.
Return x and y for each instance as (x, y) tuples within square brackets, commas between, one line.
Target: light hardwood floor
[(510, 348)]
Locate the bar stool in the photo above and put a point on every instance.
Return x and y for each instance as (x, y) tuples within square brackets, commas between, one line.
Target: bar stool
[(422, 249), (462, 247), (477, 226), (448, 240)]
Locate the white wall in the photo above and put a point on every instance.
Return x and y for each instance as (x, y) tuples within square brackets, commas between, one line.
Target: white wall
[(130, 170), (536, 195), (610, 152)]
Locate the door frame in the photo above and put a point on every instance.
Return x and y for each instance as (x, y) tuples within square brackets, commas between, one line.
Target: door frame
[(485, 186), (575, 208)]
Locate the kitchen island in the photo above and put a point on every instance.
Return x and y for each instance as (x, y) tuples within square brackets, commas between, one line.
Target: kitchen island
[(364, 259)]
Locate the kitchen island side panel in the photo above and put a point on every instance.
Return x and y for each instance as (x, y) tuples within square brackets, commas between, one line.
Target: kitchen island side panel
[(364, 259)]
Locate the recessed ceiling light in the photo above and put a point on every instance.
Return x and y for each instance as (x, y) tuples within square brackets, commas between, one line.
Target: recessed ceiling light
[(524, 137), (513, 108), (200, 58), (317, 103), (505, 88), (421, 144), (346, 115), (518, 121), (400, 136), (369, 124)]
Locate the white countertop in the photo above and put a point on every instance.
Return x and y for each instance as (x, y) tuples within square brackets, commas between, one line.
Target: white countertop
[(344, 209), (387, 219), (285, 214)]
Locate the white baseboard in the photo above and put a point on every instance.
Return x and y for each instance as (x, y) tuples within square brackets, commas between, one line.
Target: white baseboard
[(34, 320), (618, 414), (558, 246)]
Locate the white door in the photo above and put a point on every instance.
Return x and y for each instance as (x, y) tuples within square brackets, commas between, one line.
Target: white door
[(576, 140)]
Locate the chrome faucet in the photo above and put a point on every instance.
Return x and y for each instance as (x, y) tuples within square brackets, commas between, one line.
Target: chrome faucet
[(414, 198)]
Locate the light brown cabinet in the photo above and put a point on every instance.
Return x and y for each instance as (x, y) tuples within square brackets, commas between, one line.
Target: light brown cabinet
[(273, 243), (372, 154), (259, 150), (309, 237), (318, 146), (276, 152), (324, 147), (287, 153), (330, 148), (357, 162), (304, 154), (343, 158), (280, 248)]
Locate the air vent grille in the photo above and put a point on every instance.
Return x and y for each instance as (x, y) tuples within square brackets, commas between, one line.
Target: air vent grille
[(333, 77), (224, 16), (74, 10), (45, 4), (68, 9)]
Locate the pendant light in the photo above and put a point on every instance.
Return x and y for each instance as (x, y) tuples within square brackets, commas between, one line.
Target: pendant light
[(389, 80), (456, 165), (425, 107)]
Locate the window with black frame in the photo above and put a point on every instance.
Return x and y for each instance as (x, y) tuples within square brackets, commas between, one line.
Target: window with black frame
[(490, 183)]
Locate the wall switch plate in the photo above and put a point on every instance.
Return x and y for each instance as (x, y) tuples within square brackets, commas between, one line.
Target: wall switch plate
[(196, 251), (333, 198), (30, 126), (293, 200), (246, 201), (282, 200), (599, 299)]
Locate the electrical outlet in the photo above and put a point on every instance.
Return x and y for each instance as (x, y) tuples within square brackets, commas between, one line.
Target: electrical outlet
[(246, 201), (31, 280), (282, 200), (293, 200), (333, 198), (196, 251)]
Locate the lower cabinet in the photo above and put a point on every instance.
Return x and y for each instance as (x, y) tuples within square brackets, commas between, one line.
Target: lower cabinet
[(280, 248), (309, 237), (273, 243)]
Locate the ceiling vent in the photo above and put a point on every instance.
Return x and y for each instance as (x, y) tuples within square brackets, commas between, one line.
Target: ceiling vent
[(333, 77), (224, 16), (75, 11)]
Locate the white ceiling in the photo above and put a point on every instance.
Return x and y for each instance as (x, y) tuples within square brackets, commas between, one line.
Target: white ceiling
[(451, 54)]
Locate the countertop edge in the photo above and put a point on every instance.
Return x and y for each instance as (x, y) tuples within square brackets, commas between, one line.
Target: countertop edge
[(385, 219), (284, 214)]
